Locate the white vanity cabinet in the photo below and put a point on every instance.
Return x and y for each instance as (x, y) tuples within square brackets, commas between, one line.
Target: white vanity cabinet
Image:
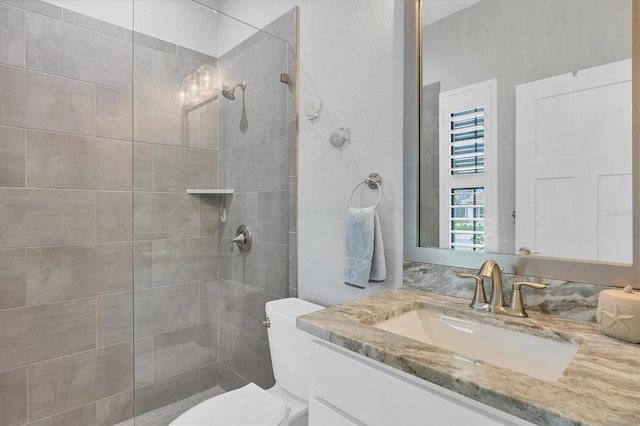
[(346, 388)]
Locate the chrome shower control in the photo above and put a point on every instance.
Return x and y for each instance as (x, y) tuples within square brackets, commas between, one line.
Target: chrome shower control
[(266, 322)]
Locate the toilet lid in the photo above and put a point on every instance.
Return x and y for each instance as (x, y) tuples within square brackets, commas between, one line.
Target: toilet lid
[(249, 405)]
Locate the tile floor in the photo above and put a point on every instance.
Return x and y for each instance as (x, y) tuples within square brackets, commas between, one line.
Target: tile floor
[(165, 415)]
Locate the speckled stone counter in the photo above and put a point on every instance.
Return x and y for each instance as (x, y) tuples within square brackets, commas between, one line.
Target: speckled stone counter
[(600, 386)]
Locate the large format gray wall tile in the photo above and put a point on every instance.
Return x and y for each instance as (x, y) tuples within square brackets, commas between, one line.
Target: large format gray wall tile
[(252, 359), (142, 166), (184, 260), (209, 295), (12, 163), (43, 217), (182, 350), (242, 209), (143, 360), (208, 376), (142, 265), (93, 24), (38, 6), (63, 383), (67, 50), (164, 392), (261, 116), (269, 160), (177, 169), (41, 332), (12, 30), (273, 216), (229, 379), (265, 267), (162, 215), (114, 318), (157, 120), (237, 306), (41, 101), (85, 415), (115, 409), (114, 216), (13, 282), (13, 396), (163, 309), (65, 272), (113, 113), (57, 160)]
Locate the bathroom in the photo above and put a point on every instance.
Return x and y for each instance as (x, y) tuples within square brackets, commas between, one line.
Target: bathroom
[(120, 299)]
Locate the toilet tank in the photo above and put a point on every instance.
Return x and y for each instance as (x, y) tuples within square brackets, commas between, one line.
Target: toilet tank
[(289, 346)]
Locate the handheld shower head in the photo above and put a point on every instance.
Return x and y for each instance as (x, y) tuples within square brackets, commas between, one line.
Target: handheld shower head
[(229, 92)]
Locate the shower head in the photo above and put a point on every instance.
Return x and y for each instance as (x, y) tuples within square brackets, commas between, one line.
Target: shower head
[(228, 92)]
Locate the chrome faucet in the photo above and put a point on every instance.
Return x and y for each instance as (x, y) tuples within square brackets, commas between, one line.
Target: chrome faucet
[(491, 270)]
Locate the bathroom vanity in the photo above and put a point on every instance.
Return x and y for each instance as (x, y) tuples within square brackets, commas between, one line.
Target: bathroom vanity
[(366, 370)]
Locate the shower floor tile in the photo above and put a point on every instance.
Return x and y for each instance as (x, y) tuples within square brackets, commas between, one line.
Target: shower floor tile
[(165, 415)]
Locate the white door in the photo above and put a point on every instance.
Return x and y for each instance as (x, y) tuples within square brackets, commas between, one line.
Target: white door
[(573, 164)]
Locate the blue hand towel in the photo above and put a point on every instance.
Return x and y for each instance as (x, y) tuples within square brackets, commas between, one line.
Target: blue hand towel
[(364, 250)]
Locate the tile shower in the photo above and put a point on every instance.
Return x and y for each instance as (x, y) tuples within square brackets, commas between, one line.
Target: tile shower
[(118, 293)]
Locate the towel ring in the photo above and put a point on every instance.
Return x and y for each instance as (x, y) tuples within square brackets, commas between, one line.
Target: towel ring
[(373, 181)]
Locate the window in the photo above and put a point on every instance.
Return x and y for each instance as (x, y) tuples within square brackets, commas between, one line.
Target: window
[(468, 168)]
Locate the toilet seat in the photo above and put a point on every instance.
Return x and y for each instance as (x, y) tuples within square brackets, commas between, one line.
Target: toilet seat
[(249, 405)]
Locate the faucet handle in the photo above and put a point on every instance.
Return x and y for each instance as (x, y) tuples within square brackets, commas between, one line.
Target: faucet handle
[(516, 298), (479, 298)]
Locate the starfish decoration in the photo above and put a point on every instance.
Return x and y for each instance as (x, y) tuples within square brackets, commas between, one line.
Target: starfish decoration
[(616, 317)]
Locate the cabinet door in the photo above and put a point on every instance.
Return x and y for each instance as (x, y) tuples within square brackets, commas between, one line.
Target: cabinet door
[(321, 414), (376, 394)]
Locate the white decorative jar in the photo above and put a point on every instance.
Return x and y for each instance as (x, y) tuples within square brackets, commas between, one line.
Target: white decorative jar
[(618, 314)]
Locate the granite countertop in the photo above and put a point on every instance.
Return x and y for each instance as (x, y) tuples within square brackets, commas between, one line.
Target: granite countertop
[(601, 385)]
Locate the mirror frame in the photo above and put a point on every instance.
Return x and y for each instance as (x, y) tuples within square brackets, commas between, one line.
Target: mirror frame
[(610, 274)]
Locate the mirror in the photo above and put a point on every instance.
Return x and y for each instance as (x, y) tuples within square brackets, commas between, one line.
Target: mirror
[(526, 145)]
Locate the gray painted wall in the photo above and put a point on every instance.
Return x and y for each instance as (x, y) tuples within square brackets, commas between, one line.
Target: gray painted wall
[(517, 41)]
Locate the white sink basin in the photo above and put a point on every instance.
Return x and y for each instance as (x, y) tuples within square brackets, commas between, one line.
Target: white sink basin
[(538, 357)]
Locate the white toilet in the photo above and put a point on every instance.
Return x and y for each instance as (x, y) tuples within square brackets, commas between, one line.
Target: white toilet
[(286, 403)]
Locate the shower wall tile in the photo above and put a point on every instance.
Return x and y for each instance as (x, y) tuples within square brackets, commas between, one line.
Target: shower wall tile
[(57, 160), (208, 376), (12, 162), (242, 209), (142, 81), (13, 396), (270, 161), (12, 30), (66, 272), (93, 24), (114, 322), (41, 332), (168, 70), (63, 383), (262, 115), (59, 48), (157, 120), (37, 6), (115, 409), (230, 380), (209, 127), (225, 169), (113, 113), (209, 209), (176, 169), (42, 217), (162, 215), (13, 279), (114, 216), (265, 267), (85, 415), (46, 102), (142, 264), (252, 360), (184, 260), (237, 306), (143, 360), (225, 343), (293, 204), (183, 350), (168, 308), (209, 297), (142, 167), (164, 392), (152, 42), (273, 216), (193, 55)]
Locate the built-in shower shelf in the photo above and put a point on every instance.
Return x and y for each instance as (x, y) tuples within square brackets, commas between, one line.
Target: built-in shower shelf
[(210, 191)]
